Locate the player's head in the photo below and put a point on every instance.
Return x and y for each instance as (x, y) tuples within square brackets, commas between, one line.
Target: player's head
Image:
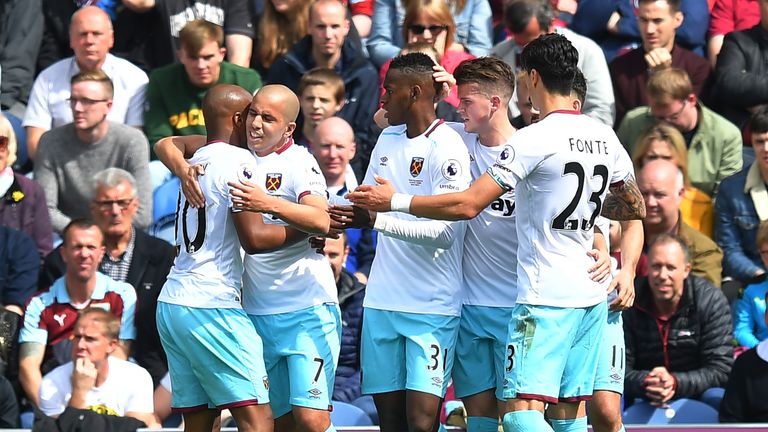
[(82, 249), (758, 127), (669, 264), (671, 99), (90, 99), (661, 141), (271, 118), (336, 251), (333, 147), (91, 37), (321, 95), (657, 21), (408, 87), (551, 64), (95, 335), (579, 90), (662, 186), (114, 201), (528, 19), (201, 51), (485, 86), (223, 110)]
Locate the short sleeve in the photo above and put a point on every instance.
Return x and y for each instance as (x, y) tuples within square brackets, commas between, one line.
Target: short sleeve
[(622, 169), (515, 161), (140, 399), (245, 172), (52, 393), (450, 170), (127, 320), (37, 113), (310, 181), (31, 331)]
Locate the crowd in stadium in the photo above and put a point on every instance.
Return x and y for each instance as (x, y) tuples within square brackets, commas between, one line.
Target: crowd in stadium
[(117, 176)]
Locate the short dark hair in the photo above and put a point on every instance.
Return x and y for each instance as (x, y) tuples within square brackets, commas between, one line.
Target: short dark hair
[(665, 238), (580, 85), (758, 122), (674, 5), (555, 59), (487, 72), (323, 76), (519, 13), (79, 223), (416, 67)]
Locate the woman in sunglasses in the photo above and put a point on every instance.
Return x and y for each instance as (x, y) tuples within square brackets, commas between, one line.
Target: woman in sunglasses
[(431, 22), (22, 201)]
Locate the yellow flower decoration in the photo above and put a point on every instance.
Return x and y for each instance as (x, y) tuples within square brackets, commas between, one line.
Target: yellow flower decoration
[(17, 196)]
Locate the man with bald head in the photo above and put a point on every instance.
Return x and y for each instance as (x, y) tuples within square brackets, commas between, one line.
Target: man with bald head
[(662, 187), (289, 292), (334, 147), (91, 37)]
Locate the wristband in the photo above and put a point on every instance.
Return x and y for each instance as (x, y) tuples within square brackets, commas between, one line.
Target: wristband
[(401, 203)]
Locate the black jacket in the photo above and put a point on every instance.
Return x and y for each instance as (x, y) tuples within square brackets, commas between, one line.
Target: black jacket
[(361, 85), (152, 260), (351, 293), (697, 348), (741, 74), (21, 31)]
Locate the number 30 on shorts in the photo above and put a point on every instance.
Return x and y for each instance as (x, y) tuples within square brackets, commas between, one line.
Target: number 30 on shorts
[(510, 357)]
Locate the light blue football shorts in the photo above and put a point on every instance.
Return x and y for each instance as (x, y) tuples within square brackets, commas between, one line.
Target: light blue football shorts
[(301, 350), (610, 364), (407, 351), (214, 356)]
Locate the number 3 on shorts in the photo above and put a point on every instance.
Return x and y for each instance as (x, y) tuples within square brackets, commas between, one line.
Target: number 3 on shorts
[(510, 357)]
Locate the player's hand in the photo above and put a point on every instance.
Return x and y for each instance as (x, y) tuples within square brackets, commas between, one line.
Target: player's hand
[(658, 58), (624, 285), (345, 216), (602, 267), (376, 198), (83, 375), (447, 80), (248, 196), (190, 186)]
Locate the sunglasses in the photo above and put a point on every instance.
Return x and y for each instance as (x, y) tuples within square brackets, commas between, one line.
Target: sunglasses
[(418, 29)]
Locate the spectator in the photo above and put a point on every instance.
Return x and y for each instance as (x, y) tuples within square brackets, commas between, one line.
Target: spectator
[(175, 92), (658, 20), (741, 205), (661, 184), (22, 201), (714, 144), (321, 96), (281, 26), (333, 149), (9, 407), (613, 25), (22, 24), (745, 394), (71, 154), (664, 142), (529, 19), (678, 333), (19, 267), (728, 16), (749, 311), (131, 256), (524, 105), (741, 84), (50, 315), (91, 37), (233, 15), (430, 21), (94, 379), (328, 46), (471, 27)]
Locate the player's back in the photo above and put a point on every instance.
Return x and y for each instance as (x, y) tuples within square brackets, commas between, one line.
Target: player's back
[(561, 168), (208, 267)]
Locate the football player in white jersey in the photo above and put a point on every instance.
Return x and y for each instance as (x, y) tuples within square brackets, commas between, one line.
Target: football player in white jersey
[(201, 298), (413, 297), (290, 292), (561, 169)]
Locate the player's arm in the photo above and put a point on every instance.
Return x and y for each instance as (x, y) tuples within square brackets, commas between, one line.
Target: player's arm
[(309, 214), (624, 202), (257, 237), (632, 239), (451, 206), (602, 267), (30, 359), (173, 153)]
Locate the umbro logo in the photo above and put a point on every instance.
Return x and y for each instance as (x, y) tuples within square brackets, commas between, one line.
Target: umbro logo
[(383, 161)]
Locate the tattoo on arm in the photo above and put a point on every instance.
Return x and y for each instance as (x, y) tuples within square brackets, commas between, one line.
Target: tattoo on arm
[(31, 349), (625, 202)]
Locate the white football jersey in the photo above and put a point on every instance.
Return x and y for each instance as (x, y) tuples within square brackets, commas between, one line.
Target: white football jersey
[(408, 277), (295, 277), (208, 267), (561, 169), (489, 265)]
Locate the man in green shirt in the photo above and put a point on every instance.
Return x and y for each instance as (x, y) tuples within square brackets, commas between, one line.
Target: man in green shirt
[(175, 92)]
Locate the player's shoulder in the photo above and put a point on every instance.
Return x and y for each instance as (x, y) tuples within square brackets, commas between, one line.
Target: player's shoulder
[(298, 153), (444, 137)]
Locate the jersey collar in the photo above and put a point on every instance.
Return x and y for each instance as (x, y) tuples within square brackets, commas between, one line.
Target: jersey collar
[(284, 147)]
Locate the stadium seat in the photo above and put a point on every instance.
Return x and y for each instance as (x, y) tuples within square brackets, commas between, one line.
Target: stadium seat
[(164, 200), (344, 414), (681, 411)]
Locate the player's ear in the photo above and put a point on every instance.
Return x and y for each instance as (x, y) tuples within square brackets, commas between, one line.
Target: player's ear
[(416, 91), (289, 129), (495, 102)]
